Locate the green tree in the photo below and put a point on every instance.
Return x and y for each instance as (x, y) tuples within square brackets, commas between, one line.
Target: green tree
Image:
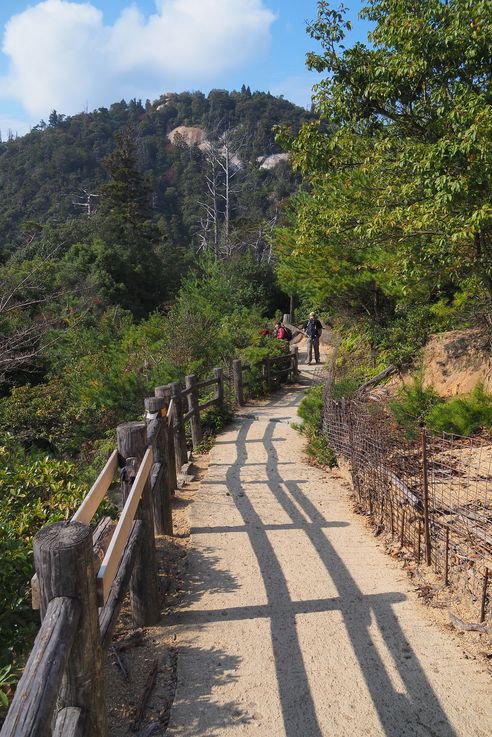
[(399, 163), (126, 252)]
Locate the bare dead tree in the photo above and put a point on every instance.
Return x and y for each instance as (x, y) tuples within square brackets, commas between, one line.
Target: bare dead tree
[(223, 166), (87, 201)]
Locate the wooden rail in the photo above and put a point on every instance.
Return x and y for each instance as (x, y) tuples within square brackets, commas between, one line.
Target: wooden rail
[(82, 574)]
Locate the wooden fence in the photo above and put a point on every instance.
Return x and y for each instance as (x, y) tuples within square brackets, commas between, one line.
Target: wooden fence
[(82, 575)]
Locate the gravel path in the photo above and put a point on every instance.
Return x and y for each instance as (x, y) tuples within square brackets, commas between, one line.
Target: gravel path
[(295, 622)]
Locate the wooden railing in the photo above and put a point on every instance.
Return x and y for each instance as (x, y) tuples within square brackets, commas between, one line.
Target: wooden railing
[(82, 574)]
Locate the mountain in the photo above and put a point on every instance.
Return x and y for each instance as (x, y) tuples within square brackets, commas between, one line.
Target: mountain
[(54, 174)]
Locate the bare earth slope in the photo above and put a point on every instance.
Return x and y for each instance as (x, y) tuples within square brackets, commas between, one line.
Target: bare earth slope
[(295, 622)]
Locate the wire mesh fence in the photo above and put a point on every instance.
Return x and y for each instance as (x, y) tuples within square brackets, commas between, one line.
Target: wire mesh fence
[(432, 494)]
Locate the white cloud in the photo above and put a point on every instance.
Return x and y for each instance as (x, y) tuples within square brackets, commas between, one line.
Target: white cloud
[(62, 55), (12, 125)]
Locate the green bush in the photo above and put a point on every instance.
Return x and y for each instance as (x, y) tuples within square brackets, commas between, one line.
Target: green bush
[(413, 405), (311, 412), (34, 491), (254, 355), (462, 415)]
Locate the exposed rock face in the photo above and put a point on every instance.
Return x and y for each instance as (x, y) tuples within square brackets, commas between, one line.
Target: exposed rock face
[(270, 162), (456, 361), (190, 135)]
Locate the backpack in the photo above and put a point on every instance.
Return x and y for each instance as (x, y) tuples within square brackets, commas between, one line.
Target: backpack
[(311, 329), (288, 333), (281, 333)]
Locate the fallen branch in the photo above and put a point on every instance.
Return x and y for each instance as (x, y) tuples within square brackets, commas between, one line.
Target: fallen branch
[(462, 626), (389, 371), (120, 664), (146, 693)]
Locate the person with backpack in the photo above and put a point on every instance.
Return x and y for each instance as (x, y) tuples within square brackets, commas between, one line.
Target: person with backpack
[(312, 330), (279, 331), (282, 332)]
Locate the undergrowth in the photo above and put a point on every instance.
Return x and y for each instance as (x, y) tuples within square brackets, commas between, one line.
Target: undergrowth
[(311, 411), (466, 415)]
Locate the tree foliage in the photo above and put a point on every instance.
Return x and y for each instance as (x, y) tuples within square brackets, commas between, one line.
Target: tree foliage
[(398, 166)]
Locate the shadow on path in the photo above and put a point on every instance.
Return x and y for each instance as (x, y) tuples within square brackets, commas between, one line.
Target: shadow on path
[(414, 713)]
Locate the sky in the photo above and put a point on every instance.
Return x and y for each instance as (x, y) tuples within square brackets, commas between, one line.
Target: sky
[(72, 55)]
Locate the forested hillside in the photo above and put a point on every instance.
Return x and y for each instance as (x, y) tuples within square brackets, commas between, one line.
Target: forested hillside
[(47, 176), (126, 262)]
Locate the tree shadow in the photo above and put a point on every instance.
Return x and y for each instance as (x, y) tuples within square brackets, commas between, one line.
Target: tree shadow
[(416, 712), (202, 671)]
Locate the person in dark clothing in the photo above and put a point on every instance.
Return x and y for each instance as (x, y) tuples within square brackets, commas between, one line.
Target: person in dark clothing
[(313, 329)]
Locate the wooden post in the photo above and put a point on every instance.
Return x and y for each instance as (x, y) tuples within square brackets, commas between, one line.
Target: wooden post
[(64, 563), (196, 428), (402, 534), (181, 450), (446, 560), (484, 595), (144, 586), (219, 394), (295, 360), (237, 375), (426, 498), (165, 393), (158, 437)]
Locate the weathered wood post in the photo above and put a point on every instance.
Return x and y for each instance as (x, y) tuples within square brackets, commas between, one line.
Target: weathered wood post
[(64, 562), (144, 586), (237, 376), (181, 451), (158, 437), (196, 428), (219, 392), (164, 392), (295, 360)]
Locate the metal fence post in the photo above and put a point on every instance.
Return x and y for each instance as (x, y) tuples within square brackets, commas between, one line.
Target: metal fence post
[(425, 480)]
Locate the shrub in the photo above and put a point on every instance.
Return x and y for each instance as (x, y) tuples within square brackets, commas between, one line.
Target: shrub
[(413, 405), (463, 415), (311, 412), (253, 356), (34, 491)]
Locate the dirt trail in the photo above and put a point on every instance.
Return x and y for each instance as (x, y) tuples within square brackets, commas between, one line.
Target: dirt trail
[(295, 623)]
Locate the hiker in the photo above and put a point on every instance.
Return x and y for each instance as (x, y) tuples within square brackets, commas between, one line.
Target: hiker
[(265, 331), (313, 329), (279, 331)]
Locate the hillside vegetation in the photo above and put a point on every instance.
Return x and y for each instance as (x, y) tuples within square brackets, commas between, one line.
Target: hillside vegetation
[(126, 262), (392, 233)]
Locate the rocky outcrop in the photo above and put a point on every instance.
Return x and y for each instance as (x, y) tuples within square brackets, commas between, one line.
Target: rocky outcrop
[(270, 162), (455, 362), (189, 135)]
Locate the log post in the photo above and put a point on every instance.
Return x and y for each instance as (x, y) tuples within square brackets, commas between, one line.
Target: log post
[(219, 393), (144, 586), (196, 428), (295, 360), (180, 448), (237, 376), (165, 393), (64, 564), (158, 437)]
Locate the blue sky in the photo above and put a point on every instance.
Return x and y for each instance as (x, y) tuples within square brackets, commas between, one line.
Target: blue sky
[(69, 55)]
